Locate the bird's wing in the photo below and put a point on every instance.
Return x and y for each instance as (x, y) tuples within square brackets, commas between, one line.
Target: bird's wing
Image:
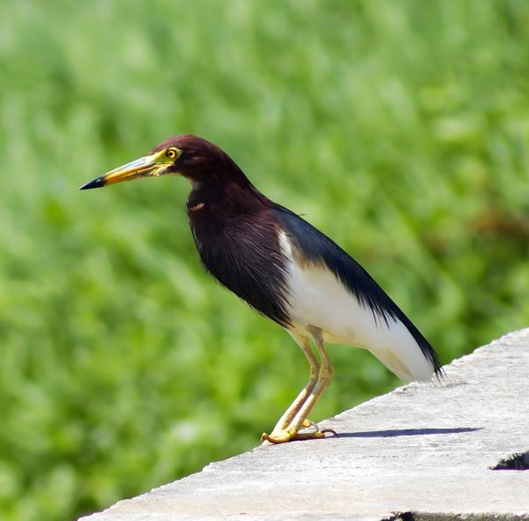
[(324, 269)]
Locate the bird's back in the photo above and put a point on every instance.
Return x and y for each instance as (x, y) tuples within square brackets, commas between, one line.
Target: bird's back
[(330, 290)]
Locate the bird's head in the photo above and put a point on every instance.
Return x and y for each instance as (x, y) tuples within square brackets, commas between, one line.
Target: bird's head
[(186, 155)]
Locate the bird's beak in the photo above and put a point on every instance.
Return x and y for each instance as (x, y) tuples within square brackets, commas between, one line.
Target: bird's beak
[(147, 166)]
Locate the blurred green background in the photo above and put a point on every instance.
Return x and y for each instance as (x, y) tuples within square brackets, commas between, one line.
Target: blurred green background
[(401, 129)]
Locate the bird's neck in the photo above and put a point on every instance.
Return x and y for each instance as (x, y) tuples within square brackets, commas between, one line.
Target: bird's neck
[(217, 213), (230, 197)]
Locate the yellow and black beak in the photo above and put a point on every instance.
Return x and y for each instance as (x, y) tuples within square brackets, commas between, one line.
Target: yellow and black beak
[(148, 166)]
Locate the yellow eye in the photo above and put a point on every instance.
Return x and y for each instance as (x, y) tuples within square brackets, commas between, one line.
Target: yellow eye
[(172, 153)]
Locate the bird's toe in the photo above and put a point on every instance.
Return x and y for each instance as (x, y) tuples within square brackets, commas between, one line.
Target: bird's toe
[(314, 435), (308, 424), (276, 437)]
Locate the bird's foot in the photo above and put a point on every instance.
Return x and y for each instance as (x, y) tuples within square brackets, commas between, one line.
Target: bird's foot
[(286, 435), (289, 435)]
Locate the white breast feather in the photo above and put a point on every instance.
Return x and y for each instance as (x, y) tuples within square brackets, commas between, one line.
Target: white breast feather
[(318, 298)]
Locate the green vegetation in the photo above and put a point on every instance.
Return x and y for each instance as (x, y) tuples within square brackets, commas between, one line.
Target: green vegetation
[(401, 129)]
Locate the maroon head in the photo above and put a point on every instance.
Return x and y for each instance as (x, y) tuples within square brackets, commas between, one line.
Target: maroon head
[(185, 155)]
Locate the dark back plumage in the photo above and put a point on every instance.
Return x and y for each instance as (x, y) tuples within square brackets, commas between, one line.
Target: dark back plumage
[(317, 248)]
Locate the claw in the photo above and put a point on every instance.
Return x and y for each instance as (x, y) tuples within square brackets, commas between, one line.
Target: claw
[(308, 423)]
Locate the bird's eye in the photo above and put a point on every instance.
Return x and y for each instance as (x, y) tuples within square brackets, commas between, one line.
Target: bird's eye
[(171, 153)]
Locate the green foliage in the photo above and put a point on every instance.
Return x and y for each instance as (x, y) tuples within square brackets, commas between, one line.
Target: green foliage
[(401, 129)]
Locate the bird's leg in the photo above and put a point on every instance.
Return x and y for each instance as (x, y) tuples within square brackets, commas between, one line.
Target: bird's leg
[(296, 405), (326, 372), (324, 379), (290, 413)]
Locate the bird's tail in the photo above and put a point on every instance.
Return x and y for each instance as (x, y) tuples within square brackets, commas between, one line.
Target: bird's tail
[(404, 356)]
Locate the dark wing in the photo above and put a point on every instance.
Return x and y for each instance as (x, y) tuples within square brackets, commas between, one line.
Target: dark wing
[(317, 248)]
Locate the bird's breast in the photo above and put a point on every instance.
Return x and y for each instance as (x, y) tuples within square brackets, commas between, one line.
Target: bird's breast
[(244, 255)]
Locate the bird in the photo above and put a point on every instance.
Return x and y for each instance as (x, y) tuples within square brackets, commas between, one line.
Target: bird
[(286, 270)]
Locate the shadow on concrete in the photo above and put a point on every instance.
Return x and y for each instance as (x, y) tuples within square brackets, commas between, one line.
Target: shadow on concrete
[(406, 432)]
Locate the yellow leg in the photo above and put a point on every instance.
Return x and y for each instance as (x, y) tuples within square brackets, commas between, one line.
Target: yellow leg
[(324, 379), (290, 413), (283, 433)]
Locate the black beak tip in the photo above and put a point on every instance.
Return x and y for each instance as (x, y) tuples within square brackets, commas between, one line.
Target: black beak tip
[(98, 182)]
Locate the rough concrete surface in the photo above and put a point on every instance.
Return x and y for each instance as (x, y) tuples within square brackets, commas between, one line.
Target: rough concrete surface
[(423, 448)]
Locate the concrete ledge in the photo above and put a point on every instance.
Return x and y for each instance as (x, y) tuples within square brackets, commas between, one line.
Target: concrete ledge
[(421, 452)]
